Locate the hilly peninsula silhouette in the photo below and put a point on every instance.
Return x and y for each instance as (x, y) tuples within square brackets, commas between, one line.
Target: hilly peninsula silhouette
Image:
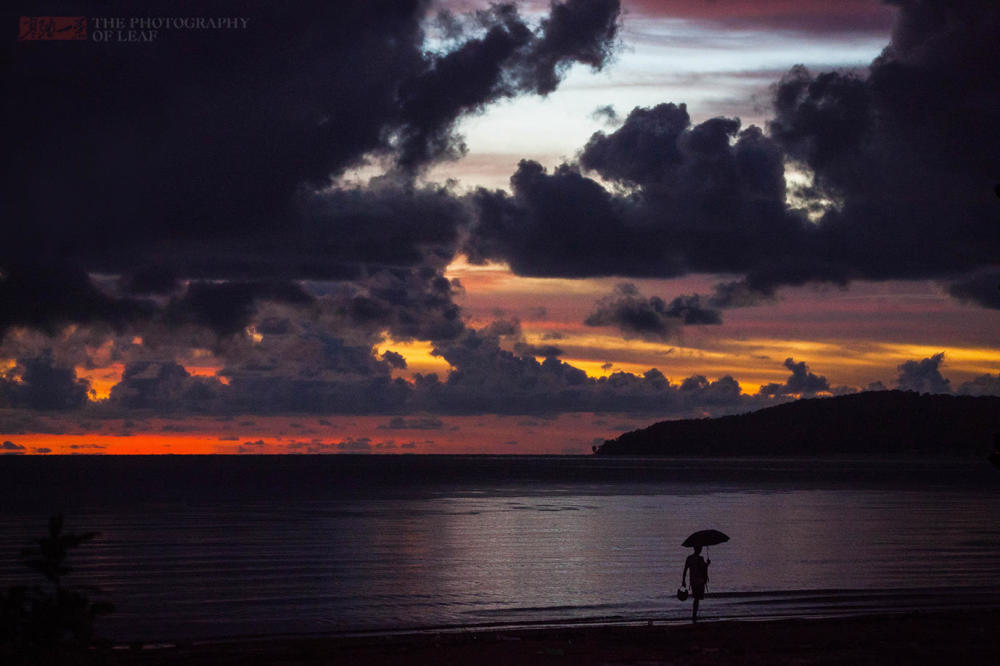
[(870, 423)]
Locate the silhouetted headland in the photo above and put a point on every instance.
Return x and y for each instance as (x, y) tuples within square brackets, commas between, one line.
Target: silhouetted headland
[(874, 422)]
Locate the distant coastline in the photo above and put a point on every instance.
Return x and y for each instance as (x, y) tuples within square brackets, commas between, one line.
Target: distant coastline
[(870, 423)]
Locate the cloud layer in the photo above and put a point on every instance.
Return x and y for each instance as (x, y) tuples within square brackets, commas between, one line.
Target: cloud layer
[(901, 159), (652, 318), (193, 200), (212, 156)]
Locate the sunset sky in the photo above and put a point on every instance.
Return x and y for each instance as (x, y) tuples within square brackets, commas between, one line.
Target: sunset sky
[(456, 227)]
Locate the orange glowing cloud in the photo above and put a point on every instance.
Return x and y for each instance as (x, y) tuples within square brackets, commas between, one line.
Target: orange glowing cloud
[(851, 336), (418, 355)]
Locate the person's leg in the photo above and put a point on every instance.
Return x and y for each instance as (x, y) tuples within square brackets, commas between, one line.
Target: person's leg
[(694, 611)]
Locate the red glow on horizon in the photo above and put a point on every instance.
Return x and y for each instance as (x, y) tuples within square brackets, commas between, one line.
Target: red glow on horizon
[(343, 434)]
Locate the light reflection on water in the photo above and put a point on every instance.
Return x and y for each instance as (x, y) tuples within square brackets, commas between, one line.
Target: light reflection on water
[(510, 550)]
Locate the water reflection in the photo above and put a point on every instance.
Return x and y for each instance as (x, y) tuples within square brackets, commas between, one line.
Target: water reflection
[(524, 549)]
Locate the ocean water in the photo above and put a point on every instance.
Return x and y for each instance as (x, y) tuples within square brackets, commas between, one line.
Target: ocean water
[(208, 547)]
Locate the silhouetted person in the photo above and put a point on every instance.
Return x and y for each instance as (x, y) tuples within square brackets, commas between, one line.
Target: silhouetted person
[(699, 578)]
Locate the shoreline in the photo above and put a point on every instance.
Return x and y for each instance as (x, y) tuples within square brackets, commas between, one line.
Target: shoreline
[(925, 637)]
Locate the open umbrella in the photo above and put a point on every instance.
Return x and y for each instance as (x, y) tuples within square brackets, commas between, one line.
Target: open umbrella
[(705, 538)]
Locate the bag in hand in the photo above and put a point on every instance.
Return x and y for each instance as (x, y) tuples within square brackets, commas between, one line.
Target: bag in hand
[(682, 593)]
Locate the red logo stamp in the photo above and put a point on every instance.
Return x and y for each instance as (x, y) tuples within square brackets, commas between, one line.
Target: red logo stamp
[(47, 28)]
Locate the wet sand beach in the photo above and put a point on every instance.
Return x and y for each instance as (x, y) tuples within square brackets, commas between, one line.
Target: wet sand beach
[(912, 638)]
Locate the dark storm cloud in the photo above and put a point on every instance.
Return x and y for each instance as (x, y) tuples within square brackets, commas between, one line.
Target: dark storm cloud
[(649, 318), (644, 147), (981, 288), (923, 376), (388, 223), (698, 392), (200, 139), (334, 377), (38, 383), (709, 198), (739, 294), (508, 60), (559, 224), (484, 373), (607, 114), (911, 150), (801, 382), (209, 156), (15, 422), (327, 363), (179, 427), (581, 31), (466, 79), (228, 307), (409, 303), (526, 349), (395, 360), (315, 354), (283, 393), (360, 445), (904, 159), (982, 385), (165, 387), (273, 326), (503, 328), (413, 423), (488, 378), (150, 280), (48, 297)]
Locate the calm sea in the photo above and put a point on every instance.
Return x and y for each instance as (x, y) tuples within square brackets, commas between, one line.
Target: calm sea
[(199, 547)]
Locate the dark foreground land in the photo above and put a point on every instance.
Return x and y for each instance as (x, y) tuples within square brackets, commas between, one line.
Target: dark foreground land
[(915, 638), (888, 423)]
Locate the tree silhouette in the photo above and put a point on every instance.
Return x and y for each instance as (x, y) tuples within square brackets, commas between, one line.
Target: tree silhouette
[(49, 557), (54, 623)]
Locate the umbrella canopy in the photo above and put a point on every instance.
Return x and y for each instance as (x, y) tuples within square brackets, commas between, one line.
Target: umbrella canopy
[(705, 538)]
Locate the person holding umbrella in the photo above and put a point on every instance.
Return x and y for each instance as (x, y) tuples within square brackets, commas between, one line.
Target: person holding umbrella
[(699, 578), (698, 565)]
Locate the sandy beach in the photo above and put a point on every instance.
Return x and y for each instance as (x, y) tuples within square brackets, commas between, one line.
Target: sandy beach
[(912, 638)]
